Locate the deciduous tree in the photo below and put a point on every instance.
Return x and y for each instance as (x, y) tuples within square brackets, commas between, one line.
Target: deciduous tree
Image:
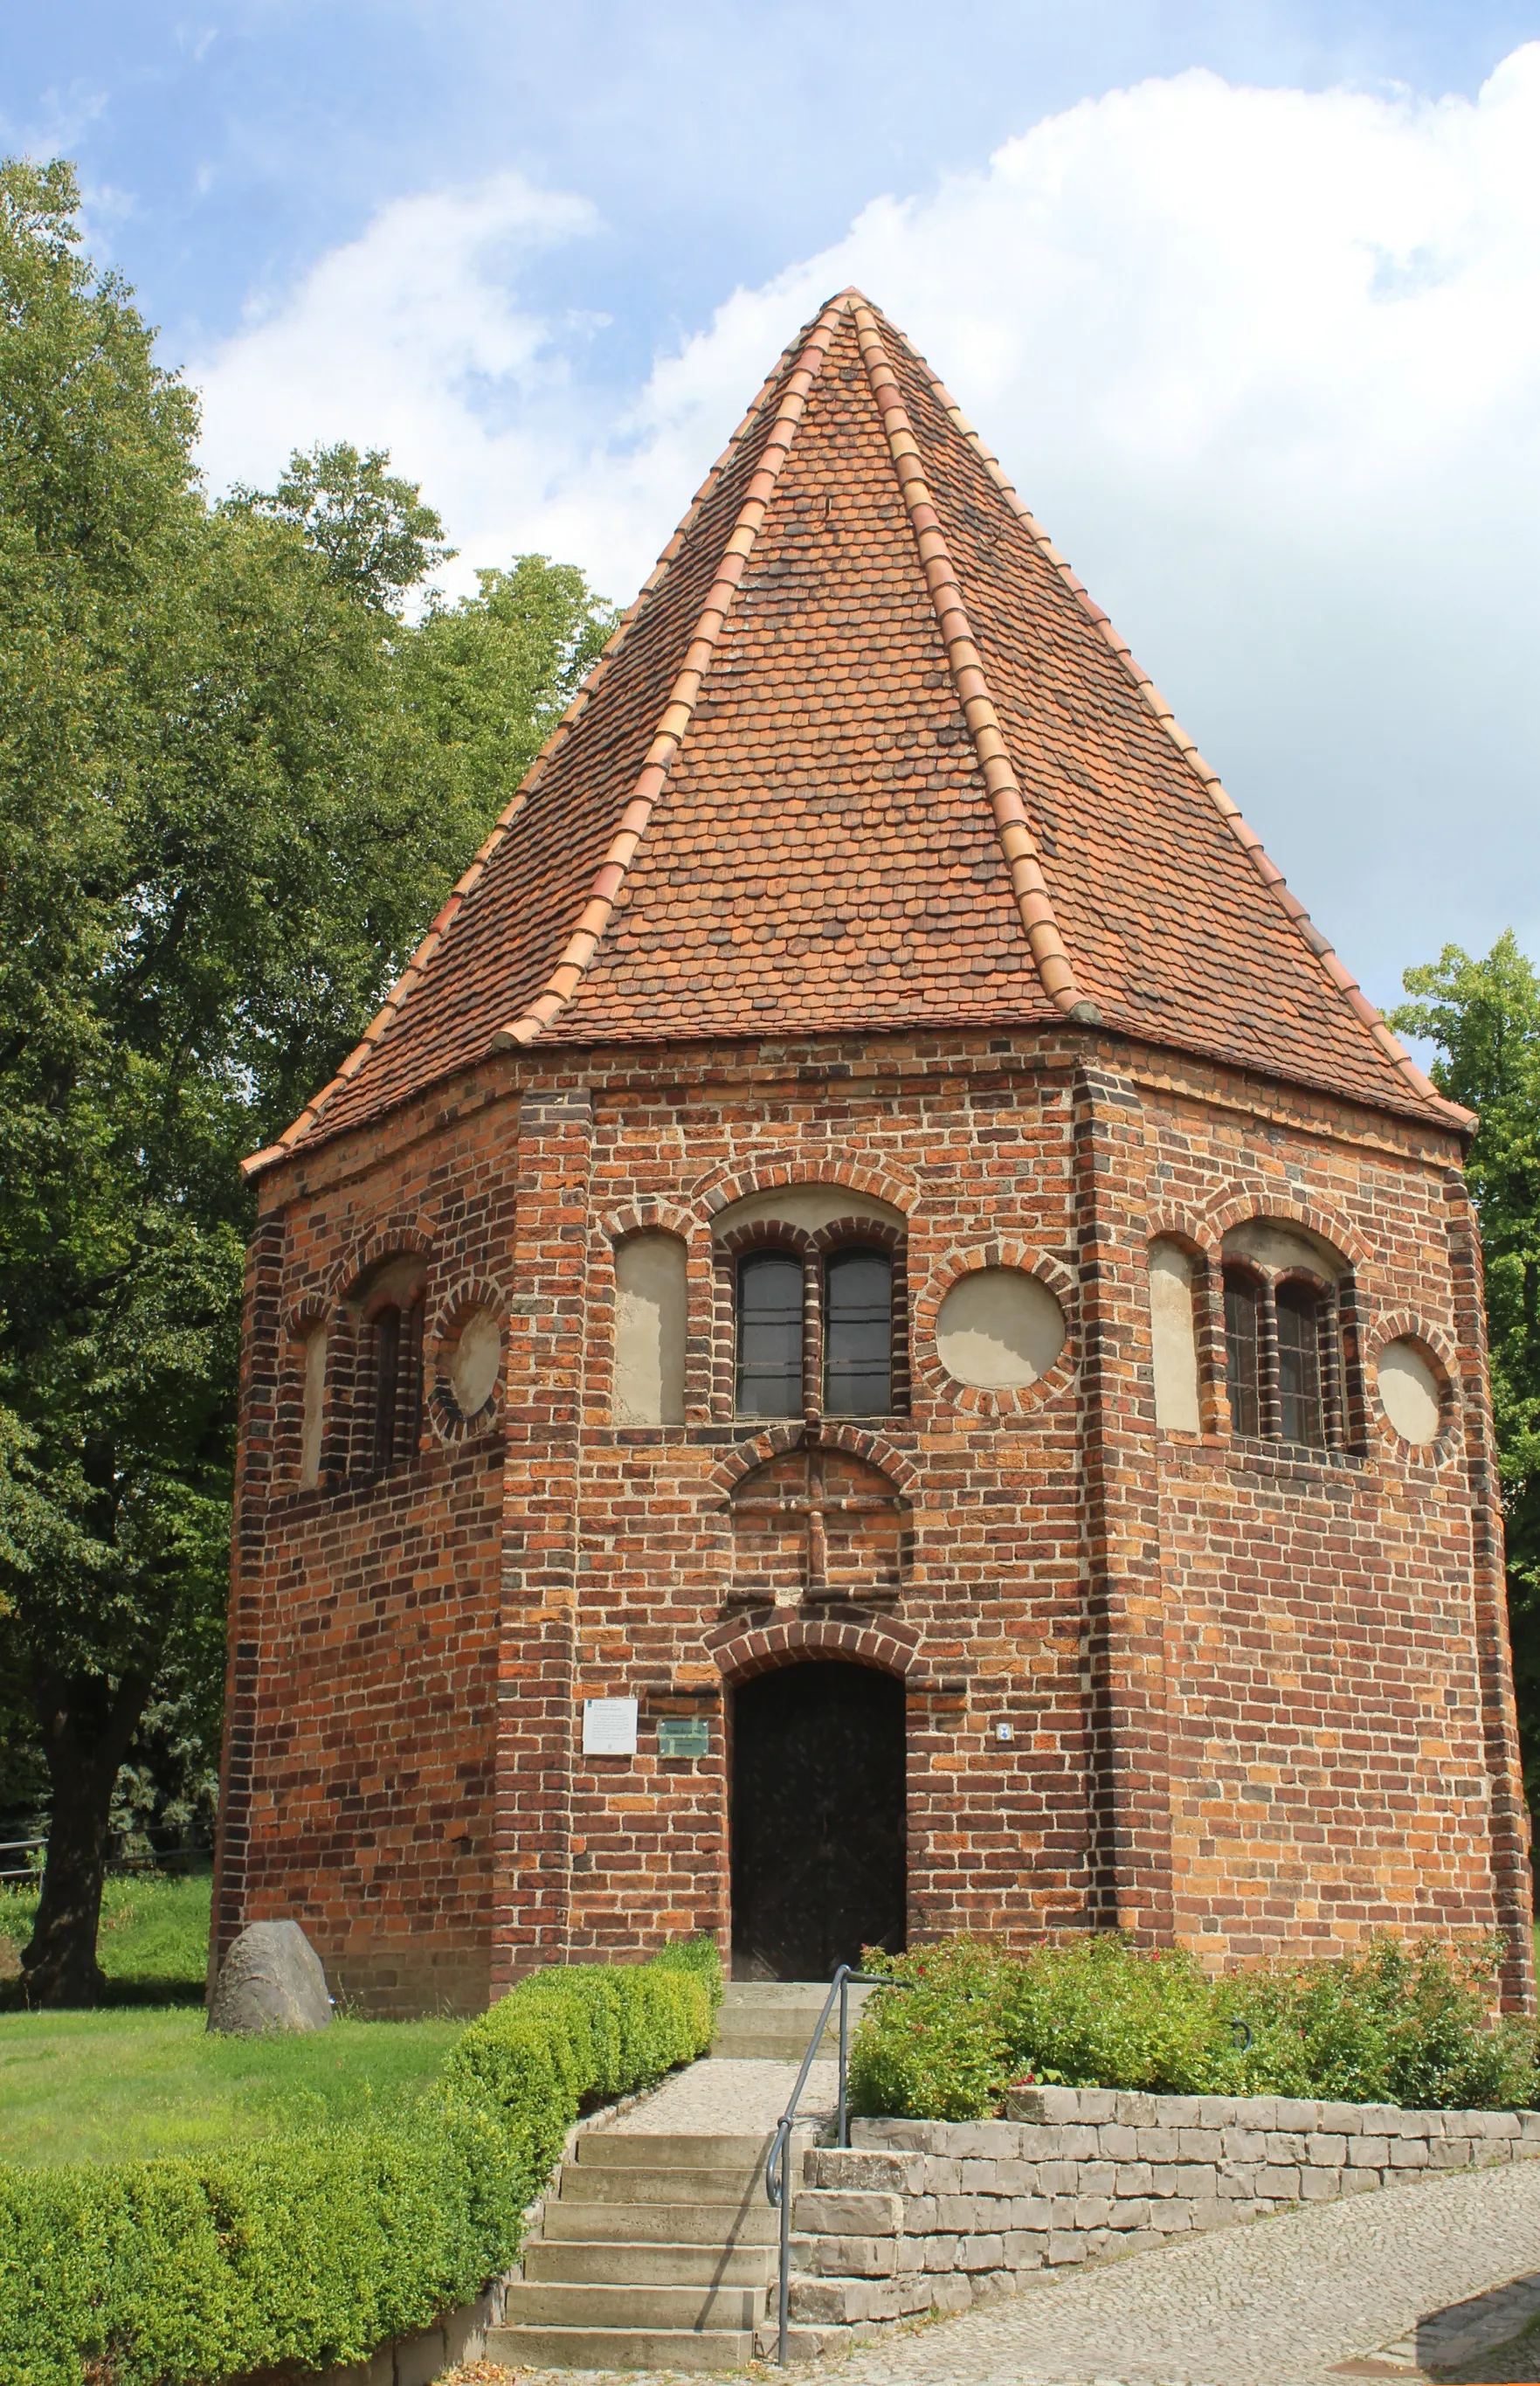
[(234, 785), (1483, 1016)]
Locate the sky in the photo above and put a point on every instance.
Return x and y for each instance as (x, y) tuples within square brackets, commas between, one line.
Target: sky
[(1245, 296)]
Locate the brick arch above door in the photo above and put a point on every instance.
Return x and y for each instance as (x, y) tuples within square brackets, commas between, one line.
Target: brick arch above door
[(740, 1651)]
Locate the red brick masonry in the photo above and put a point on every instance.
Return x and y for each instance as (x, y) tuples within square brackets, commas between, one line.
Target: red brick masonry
[(869, 858), (1259, 1697)]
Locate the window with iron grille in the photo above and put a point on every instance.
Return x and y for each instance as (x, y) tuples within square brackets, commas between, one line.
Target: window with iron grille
[(1284, 1359), (770, 1335), (1301, 1414), (857, 1333), (815, 1331), (389, 1382), (1242, 1355)]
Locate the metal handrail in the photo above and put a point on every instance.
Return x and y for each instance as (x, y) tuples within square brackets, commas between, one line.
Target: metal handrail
[(776, 2187)]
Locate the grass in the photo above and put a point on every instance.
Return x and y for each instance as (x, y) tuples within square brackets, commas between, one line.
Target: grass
[(142, 2075), (110, 2086), (154, 1941)]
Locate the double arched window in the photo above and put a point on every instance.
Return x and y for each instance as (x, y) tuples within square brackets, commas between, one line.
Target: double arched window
[(818, 1334), (388, 1418), (1286, 1294), (1282, 1357)]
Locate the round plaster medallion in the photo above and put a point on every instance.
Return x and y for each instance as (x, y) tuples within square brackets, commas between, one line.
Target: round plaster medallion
[(998, 1329), (1411, 1392), (477, 1361)]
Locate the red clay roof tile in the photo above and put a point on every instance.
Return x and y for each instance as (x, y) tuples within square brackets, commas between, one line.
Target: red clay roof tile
[(864, 754)]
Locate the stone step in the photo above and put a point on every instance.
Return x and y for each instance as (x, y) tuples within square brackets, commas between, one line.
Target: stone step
[(769, 1996), (618, 2149), (803, 2343), (753, 2222), (621, 2348), (772, 2021), (771, 1992), (621, 2262), (583, 2182), (583, 2303), (757, 2044)]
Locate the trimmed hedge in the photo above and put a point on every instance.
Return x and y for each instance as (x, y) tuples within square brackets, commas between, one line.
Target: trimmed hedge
[(311, 2250), (1409, 2024)]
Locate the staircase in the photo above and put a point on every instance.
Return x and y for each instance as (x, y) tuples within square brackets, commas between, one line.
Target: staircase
[(659, 2252), (772, 2020)]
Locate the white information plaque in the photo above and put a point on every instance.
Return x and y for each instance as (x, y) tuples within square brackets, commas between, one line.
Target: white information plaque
[(610, 1726)]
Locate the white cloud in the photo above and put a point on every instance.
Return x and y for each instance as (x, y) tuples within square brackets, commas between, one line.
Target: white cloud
[(1265, 362), (413, 337)]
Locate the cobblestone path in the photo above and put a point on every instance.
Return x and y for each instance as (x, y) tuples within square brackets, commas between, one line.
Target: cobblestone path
[(1281, 2302), (1372, 2287)]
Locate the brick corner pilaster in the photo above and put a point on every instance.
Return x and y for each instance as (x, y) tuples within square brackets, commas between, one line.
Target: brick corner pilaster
[(547, 1340), (1130, 1785)]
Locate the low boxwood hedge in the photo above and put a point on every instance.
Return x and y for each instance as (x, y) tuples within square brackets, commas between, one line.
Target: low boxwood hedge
[(306, 2250)]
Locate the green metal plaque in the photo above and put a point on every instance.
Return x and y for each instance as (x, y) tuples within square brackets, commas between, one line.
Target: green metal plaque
[(683, 1736)]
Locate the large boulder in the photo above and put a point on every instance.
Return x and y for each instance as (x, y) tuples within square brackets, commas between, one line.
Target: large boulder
[(270, 1980)]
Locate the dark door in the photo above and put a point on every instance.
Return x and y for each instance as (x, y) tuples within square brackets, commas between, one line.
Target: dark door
[(818, 1820)]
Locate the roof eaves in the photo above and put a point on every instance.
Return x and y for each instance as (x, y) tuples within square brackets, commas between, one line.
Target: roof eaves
[(679, 710), (1337, 976), (1033, 902)]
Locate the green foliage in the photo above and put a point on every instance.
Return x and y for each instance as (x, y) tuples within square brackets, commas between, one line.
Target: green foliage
[(312, 2249), (373, 533), (1397, 2025), (939, 2051), (235, 785), (488, 678), (1484, 1018)]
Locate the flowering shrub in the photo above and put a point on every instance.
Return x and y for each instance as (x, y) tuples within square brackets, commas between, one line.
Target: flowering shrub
[(1401, 2024)]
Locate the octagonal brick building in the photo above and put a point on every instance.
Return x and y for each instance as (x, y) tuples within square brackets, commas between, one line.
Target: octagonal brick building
[(877, 1341)]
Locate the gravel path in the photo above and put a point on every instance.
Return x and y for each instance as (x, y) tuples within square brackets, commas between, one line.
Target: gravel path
[(1372, 2287), (737, 2098)]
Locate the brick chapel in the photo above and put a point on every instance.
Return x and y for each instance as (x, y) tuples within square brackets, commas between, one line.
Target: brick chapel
[(877, 1340)]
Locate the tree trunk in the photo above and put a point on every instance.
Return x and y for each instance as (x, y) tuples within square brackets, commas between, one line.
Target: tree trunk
[(86, 1725)]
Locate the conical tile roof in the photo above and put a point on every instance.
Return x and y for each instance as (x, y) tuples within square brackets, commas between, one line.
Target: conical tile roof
[(864, 754)]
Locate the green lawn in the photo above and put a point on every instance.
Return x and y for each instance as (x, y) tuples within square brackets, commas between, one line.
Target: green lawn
[(97, 2086), (154, 1941), (142, 2075)]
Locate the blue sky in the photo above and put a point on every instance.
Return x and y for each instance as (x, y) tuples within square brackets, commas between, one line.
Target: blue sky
[(1251, 339)]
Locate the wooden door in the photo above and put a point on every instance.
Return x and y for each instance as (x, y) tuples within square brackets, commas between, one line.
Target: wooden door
[(818, 1826)]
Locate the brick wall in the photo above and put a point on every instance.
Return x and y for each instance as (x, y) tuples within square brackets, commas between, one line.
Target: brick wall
[(1256, 1701)]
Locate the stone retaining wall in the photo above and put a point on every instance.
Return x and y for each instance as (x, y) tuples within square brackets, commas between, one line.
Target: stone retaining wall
[(934, 2215)]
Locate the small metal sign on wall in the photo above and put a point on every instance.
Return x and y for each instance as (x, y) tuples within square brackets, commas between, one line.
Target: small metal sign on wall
[(683, 1736), (610, 1726)]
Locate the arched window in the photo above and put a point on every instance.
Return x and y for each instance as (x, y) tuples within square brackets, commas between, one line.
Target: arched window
[(857, 1333), (770, 1335), (1284, 1298), (816, 1332), (1300, 1408), (1243, 1349), (391, 1378)]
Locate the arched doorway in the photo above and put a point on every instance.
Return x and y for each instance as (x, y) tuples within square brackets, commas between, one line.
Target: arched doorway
[(817, 1832)]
